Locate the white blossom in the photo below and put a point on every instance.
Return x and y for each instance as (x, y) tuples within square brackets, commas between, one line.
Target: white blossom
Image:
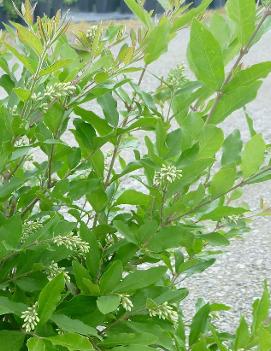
[(91, 33), (126, 302), (59, 90), (54, 270), (164, 311), (73, 243), (30, 318), (168, 174), (176, 77), (28, 229)]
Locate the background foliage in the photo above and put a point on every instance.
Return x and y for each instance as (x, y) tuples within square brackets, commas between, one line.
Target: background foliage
[(90, 260)]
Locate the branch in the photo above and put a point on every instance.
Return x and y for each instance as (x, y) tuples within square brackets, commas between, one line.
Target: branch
[(242, 53)]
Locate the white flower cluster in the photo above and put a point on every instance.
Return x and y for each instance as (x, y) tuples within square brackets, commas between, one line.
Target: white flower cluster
[(73, 243), (168, 174), (30, 318), (176, 77), (126, 302), (91, 33), (28, 229), (164, 311), (52, 92), (54, 270)]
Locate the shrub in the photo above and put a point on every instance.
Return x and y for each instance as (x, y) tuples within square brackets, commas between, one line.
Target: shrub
[(94, 243)]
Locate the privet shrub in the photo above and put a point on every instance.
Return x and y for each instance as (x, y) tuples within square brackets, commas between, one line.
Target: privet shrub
[(89, 259)]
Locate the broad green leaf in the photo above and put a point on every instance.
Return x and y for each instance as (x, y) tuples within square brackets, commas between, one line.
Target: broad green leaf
[(243, 13), (253, 155), (23, 94), (97, 123), (109, 106), (141, 279), (29, 38), (139, 11), (133, 197), (186, 17), (232, 148), (10, 231), (36, 344), (223, 211), (242, 338), (7, 306), (206, 56), (55, 67), (70, 325), (50, 297), (210, 141), (108, 304), (29, 65), (111, 277), (170, 237), (157, 41), (72, 341), (11, 340), (217, 239), (223, 180), (82, 278), (199, 324), (234, 100), (130, 338), (249, 75), (261, 309), (134, 347)]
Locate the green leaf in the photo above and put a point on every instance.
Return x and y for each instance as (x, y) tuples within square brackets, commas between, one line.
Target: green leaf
[(7, 306), (234, 100), (108, 304), (135, 347), (141, 279), (223, 180), (223, 211), (199, 324), (73, 342), (56, 66), (23, 94), (253, 155), (133, 197), (249, 75), (243, 13), (96, 122), (157, 41), (10, 231), (210, 141), (82, 277), (242, 338), (36, 344), (216, 239), (11, 340), (29, 38), (109, 106), (139, 11), (232, 148), (130, 338), (261, 309), (49, 298), (70, 325), (206, 56), (111, 277), (170, 237), (187, 16)]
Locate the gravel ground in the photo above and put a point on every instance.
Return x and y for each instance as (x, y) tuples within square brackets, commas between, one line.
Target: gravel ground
[(236, 278)]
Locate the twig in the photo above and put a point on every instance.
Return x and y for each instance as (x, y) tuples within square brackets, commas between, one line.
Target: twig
[(242, 53)]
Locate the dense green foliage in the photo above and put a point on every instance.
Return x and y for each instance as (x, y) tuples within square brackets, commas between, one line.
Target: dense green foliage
[(98, 235)]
